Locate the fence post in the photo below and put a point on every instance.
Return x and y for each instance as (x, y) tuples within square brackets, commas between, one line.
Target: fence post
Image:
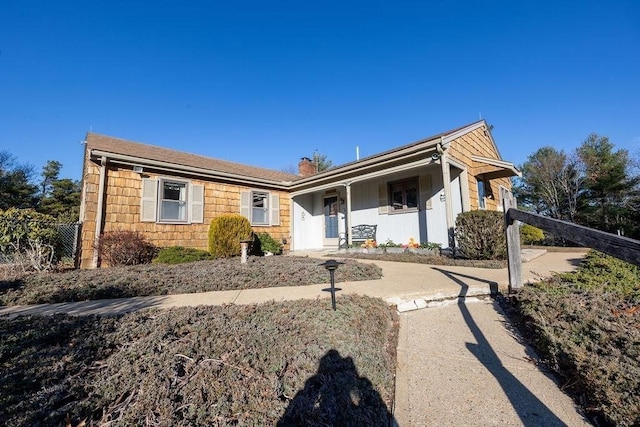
[(513, 241)]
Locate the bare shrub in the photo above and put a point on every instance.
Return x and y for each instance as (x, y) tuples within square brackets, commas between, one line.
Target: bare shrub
[(35, 256), (125, 248)]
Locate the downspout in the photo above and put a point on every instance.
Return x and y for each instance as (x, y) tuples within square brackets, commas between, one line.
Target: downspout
[(99, 212), (347, 185), (448, 201)]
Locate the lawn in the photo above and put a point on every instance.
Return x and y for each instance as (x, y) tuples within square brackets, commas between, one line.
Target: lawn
[(162, 279), (287, 363), (586, 325)]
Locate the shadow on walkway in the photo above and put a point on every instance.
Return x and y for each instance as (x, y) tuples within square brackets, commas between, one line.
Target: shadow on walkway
[(336, 396), (531, 410)]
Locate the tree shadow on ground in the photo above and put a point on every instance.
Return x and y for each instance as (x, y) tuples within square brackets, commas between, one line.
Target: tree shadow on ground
[(531, 410), (336, 396)]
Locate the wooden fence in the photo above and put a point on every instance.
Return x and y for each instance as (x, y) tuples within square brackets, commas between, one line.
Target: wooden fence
[(620, 247)]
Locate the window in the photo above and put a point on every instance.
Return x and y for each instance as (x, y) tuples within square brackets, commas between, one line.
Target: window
[(404, 195), (481, 194), (173, 201), (259, 208)]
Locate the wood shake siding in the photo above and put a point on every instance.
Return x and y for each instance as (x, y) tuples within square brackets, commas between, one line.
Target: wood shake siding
[(477, 143), (122, 204)]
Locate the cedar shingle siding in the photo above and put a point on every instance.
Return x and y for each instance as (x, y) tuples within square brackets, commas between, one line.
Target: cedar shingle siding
[(223, 183), (123, 195), (477, 143)]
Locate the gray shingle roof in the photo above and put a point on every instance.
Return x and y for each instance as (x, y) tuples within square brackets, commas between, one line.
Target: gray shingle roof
[(144, 151)]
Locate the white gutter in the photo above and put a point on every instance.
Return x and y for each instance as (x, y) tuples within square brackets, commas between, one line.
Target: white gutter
[(343, 172), (99, 212), (367, 176), (172, 167)]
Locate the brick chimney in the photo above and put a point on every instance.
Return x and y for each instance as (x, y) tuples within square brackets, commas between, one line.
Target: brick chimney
[(306, 167)]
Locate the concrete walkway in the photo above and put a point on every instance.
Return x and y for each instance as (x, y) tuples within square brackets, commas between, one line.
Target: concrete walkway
[(458, 362), (409, 286)]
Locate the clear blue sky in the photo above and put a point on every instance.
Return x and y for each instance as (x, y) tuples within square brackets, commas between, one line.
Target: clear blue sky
[(265, 83)]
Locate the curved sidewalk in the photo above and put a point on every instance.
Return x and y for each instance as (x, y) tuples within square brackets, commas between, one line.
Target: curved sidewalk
[(459, 363), (408, 286)]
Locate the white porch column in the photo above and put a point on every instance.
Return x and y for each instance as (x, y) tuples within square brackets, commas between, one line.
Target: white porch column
[(347, 186), (448, 201)]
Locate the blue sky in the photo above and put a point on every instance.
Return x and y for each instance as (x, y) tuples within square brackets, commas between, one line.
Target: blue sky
[(264, 83)]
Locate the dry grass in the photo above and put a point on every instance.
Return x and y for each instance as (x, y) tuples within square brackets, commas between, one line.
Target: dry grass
[(586, 324), (161, 279), (291, 363)]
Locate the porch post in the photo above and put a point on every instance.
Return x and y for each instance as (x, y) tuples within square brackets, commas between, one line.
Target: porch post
[(347, 185), (448, 202)]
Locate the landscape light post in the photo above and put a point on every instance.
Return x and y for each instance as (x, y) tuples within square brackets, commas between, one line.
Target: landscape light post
[(332, 266)]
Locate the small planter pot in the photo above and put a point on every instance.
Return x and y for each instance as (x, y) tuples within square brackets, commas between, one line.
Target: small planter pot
[(395, 250), (424, 251)]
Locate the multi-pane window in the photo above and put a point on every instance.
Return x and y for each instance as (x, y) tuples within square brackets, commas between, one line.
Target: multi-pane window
[(173, 201), (259, 208), (404, 195)]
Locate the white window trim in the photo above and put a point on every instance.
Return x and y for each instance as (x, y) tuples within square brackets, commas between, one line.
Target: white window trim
[(272, 208), (482, 200), (151, 201), (266, 208), (187, 196), (500, 207)]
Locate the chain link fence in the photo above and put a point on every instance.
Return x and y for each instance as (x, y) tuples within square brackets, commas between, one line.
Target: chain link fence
[(29, 242), (69, 240)]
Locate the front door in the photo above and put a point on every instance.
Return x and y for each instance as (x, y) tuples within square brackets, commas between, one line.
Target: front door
[(331, 221)]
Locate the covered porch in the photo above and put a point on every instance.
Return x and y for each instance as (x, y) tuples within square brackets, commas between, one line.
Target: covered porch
[(406, 201)]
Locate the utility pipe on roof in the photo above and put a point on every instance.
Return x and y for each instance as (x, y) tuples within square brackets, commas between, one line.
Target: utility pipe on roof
[(99, 211)]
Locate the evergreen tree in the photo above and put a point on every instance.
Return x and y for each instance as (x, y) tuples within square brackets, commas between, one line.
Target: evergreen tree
[(63, 202), (49, 174), (16, 189), (609, 189), (593, 186)]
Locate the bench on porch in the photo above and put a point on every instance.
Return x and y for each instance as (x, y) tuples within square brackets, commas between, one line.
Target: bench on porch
[(361, 233)]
